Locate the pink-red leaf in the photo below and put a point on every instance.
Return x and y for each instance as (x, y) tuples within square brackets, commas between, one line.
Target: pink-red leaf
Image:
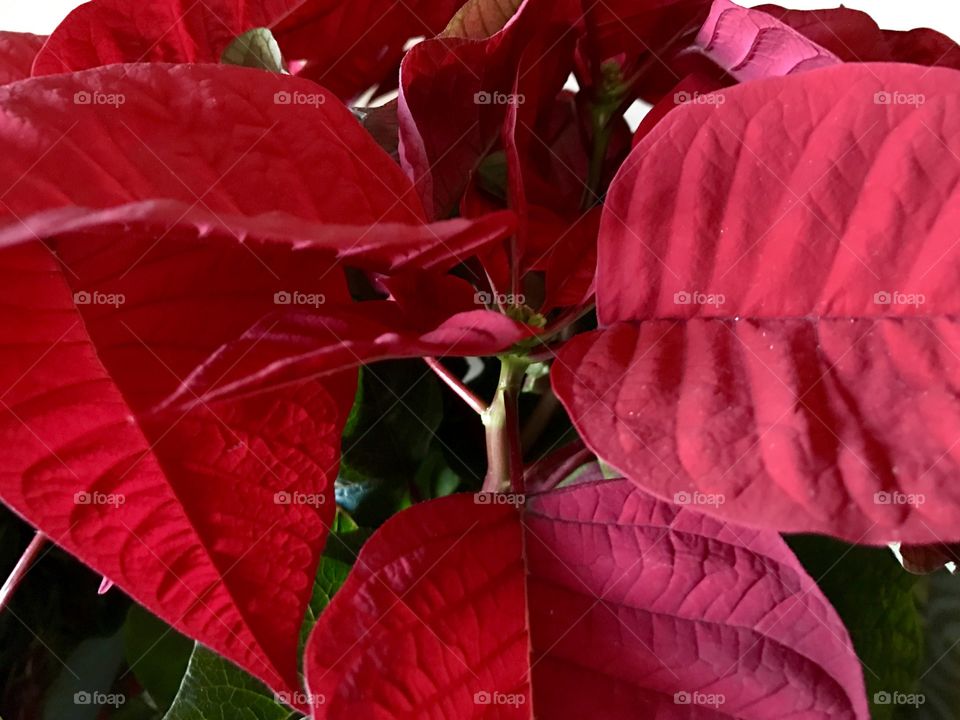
[(591, 601), (779, 307), (749, 44)]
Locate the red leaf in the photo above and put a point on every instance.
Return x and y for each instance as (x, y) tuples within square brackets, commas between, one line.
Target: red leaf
[(749, 44), (175, 205), (348, 46), (778, 307), (286, 348), (17, 51), (351, 45), (441, 147), (591, 601), (854, 37)]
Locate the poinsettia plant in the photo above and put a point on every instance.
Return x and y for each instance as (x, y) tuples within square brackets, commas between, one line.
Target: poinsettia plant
[(244, 247)]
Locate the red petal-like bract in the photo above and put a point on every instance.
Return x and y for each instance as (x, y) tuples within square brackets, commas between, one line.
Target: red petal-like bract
[(853, 36), (149, 215), (17, 51), (591, 601), (476, 79), (750, 45), (779, 308), (347, 45)]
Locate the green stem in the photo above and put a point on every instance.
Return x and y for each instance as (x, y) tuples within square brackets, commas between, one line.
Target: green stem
[(502, 423), (598, 156)]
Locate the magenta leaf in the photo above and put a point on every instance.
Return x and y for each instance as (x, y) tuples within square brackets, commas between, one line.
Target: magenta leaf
[(599, 601), (777, 310), (749, 44)]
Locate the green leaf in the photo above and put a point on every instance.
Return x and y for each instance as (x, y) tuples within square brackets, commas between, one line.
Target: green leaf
[(875, 598), (216, 689), (256, 48), (156, 653), (397, 410)]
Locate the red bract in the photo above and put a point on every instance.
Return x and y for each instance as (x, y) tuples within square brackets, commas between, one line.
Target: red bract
[(769, 338), (750, 45), (607, 603), (125, 297), (346, 46)]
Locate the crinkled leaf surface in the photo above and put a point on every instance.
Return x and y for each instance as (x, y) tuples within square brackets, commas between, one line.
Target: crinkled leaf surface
[(17, 51), (749, 44), (778, 309), (107, 316), (591, 601)]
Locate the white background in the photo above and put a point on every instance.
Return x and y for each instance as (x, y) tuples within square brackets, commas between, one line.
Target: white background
[(41, 16)]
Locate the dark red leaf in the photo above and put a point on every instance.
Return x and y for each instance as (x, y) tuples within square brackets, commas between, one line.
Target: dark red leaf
[(854, 37), (778, 308), (591, 601)]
